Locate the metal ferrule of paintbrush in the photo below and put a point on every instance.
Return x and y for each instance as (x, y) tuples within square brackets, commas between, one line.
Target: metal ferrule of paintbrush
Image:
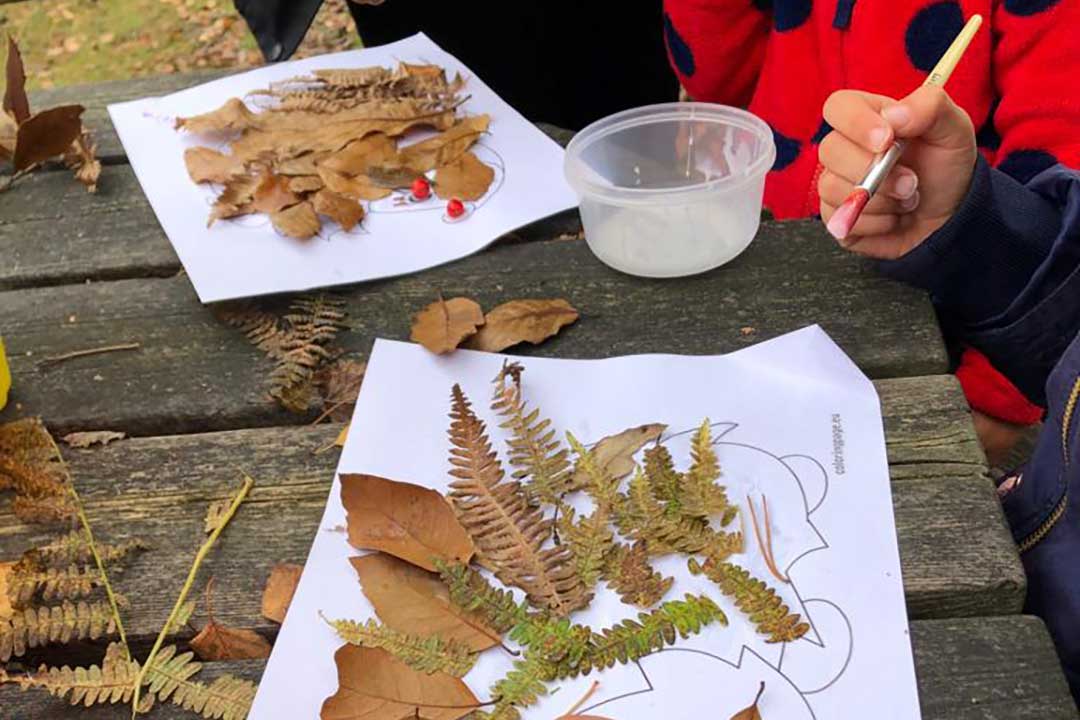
[(881, 168)]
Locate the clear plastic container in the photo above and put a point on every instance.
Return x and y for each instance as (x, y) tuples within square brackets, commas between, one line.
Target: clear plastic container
[(673, 189)]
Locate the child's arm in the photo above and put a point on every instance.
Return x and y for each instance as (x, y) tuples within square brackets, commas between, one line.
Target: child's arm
[(716, 47)]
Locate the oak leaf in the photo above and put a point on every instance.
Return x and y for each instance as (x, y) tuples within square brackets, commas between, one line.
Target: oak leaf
[(279, 590), (273, 194), (94, 437), (345, 212), (217, 642), (614, 455), (444, 324), (298, 221), (407, 521), (466, 178), (46, 135), (208, 165), (522, 321), (412, 600), (16, 103), (752, 712), (373, 685)]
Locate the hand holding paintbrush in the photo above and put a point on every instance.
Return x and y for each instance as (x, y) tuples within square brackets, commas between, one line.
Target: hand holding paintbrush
[(895, 171)]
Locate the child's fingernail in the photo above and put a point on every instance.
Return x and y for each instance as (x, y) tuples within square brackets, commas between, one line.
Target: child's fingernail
[(905, 185), (878, 138), (910, 203), (897, 115)]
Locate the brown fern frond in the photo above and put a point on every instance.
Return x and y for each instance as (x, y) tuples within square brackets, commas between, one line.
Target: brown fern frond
[(665, 481), (262, 329), (45, 625), (169, 679), (31, 465), (507, 531), (28, 579), (111, 683), (754, 597), (640, 516), (628, 572), (72, 548), (537, 456)]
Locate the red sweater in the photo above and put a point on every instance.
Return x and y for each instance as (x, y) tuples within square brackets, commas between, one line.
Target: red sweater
[(782, 58)]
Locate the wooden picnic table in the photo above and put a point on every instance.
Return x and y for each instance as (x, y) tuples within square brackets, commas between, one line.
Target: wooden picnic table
[(81, 271)]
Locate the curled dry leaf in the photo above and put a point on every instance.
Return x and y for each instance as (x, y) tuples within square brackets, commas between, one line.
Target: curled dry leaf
[(407, 521), (373, 685), (278, 593), (208, 165), (96, 437), (16, 103), (272, 194), (444, 324), (345, 212), (46, 135), (306, 183), (752, 712), (615, 454), (466, 178), (414, 601), (217, 642), (81, 157), (233, 115), (522, 321), (298, 221)]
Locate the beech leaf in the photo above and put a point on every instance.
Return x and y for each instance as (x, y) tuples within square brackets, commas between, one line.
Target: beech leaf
[(208, 165), (522, 321), (345, 212), (278, 593), (233, 115), (306, 183), (373, 685), (359, 155), (217, 642), (407, 521), (16, 103), (360, 187), (466, 178), (298, 221), (446, 147), (752, 712), (273, 194), (442, 325), (414, 601), (46, 135), (614, 454)]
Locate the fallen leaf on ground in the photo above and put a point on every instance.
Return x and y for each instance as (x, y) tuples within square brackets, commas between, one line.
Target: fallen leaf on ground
[(95, 437), (278, 593), (208, 165), (217, 642), (373, 685), (407, 521), (340, 386), (15, 101), (298, 221), (442, 325), (273, 194), (46, 135), (752, 712), (414, 601), (466, 178), (345, 212), (521, 321), (81, 157), (615, 453)]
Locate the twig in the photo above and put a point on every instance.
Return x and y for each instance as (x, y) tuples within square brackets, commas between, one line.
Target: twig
[(328, 411), (199, 557), (54, 359)]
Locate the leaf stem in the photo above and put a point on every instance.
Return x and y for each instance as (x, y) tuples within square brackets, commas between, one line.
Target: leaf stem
[(54, 359), (199, 557)]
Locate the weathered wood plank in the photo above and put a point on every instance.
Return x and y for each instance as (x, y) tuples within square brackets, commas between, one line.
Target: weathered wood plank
[(957, 556), (195, 374)]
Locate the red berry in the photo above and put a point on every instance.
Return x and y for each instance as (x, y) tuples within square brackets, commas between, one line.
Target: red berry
[(455, 208), (421, 188)]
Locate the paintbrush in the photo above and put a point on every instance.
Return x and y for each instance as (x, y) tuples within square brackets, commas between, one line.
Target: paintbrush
[(848, 213)]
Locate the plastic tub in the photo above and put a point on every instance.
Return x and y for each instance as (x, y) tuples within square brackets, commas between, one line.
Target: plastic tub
[(673, 189)]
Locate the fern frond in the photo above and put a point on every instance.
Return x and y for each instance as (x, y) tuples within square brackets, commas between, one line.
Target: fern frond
[(589, 540), (508, 532), (72, 548), (701, 496), (523, 686), (627, 571), (30, 464), (601, 487), (45, 625), (765, 609), (429, 655), (534, 452), (169, 679), (641, 517), (111, 683), (470, 591), (633, 639), (665, 481), (28, 579), (262, 329)]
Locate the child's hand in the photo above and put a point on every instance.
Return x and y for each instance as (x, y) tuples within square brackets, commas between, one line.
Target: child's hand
[(926, 186)]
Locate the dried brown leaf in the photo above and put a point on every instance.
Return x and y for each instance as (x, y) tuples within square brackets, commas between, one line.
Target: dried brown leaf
[(81, 157), (414, 601), (46, 135), (217, 642), (94, 437), (466, 178), (752, 712), (233, 115), (8, 130), (16, 103), (273, 194), (359, 188), (522, 321), (208, 165), (343, 437), (443, 325), (278, 593), (235, 198), (407, 521), (393, 175), (345, 212), (373, 685), (306, 164), (298, 221), (359, 155), (340, 386), (6, 610), (446, 147), (614, 455), (305, 183), (215, 513)]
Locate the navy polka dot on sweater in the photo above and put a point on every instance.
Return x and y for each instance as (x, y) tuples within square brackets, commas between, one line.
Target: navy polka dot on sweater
[(931, 32), (1023, 165), (790, 14), (988, 137), (681, 54), (823, 130), (787, 150), (1029, 7), (763, 5)]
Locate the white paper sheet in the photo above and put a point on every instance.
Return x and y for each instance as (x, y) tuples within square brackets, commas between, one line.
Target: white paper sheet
[(793, 418), (246, 256)]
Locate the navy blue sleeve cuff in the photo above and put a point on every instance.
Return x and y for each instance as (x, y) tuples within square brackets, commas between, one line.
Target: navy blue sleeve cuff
[(980, 261)]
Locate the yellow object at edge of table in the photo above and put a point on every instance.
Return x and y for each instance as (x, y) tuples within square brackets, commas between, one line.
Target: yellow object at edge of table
[(5, 376)]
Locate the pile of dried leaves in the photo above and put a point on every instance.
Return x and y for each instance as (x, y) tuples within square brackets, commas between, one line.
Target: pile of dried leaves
[(320, 145), (445, 325), (27, 140), (437, 612)]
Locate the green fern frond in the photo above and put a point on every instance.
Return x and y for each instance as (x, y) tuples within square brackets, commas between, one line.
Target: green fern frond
[(169, 679), (470, 591), (556, 641), (40, 626), (28, 580), (429, 655), (589, 539), (523, 686), (600, 485), (111, 683), (641, 517), (72, 548), (765, 609), (534, 452), (627, 571)]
